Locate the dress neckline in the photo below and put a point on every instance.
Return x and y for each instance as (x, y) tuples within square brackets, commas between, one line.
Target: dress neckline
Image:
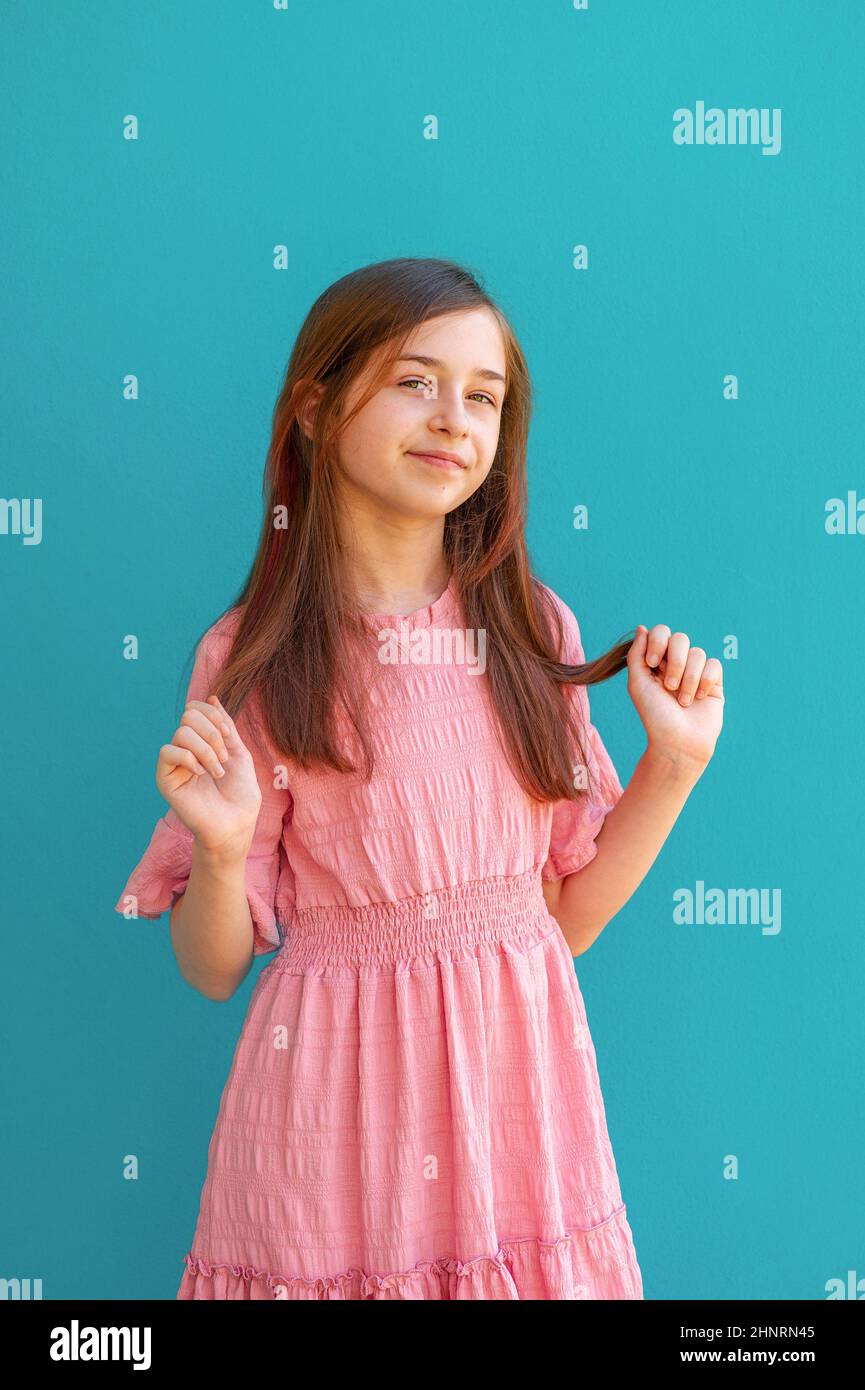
[(430, 614)]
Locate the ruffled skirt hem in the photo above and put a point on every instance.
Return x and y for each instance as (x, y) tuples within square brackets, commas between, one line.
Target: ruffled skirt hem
[(598, 1263)]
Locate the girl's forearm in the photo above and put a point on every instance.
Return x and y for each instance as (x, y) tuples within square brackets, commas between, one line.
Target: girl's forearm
[(211, 926), (628, 845)]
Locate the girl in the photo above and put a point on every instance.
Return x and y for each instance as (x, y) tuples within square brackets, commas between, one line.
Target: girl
[(386, 772)]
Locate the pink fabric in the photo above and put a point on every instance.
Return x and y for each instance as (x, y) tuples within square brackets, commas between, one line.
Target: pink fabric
[(413, 1109)]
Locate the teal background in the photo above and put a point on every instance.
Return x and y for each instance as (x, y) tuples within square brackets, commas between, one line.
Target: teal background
[(155, 257)]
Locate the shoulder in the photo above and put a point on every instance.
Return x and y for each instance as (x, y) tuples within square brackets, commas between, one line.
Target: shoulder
[(214, 646), (225, 627)]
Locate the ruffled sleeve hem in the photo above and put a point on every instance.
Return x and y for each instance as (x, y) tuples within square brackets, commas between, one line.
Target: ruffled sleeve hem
[(577, 825), (161, 876), (576, 857)]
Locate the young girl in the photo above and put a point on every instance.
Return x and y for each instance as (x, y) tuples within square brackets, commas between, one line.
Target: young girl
[(387, 753)]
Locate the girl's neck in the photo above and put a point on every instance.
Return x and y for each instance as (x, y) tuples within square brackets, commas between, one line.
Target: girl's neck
[(400, 594)]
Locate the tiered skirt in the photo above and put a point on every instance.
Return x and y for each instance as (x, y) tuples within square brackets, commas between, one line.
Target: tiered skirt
[(414, 1111)]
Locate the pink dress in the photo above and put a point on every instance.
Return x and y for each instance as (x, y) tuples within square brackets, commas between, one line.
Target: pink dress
[(413, 1110)]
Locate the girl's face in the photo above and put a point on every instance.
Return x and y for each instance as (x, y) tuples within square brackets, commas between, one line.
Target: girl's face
[(451, 403)]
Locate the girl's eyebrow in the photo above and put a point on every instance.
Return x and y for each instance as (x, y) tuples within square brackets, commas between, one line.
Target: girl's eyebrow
[(485, 372)]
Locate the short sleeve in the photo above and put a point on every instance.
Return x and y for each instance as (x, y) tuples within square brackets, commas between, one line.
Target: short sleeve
[(161, 875), (577, 824)]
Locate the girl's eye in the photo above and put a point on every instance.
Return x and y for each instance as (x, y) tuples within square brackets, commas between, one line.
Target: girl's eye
[(423, 382)]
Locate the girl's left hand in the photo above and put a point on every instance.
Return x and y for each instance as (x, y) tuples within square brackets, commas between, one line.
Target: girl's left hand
[(677, 693)]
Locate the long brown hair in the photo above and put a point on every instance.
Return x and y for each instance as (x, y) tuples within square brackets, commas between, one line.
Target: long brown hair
[(294, 644)]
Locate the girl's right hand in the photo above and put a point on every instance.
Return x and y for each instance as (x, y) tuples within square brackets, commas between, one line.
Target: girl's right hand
[(221, 810)]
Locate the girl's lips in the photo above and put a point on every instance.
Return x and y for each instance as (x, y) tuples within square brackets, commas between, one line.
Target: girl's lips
[(439, 463)]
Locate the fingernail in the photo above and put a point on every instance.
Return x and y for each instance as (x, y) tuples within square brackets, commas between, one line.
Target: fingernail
[(220, 770)]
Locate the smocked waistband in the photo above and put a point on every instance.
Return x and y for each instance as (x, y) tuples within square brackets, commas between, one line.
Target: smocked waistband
[(460, 915)]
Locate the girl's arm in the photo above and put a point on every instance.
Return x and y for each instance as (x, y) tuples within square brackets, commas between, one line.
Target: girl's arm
[(215, 856), (211, 924), (679, 696), (628, 844), (212, 930), (209, 777)]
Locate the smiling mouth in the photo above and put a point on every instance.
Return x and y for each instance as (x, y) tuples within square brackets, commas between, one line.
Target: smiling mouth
[(435, 459)]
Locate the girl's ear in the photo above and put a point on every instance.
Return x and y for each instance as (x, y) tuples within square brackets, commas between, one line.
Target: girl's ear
[(307, 414)]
